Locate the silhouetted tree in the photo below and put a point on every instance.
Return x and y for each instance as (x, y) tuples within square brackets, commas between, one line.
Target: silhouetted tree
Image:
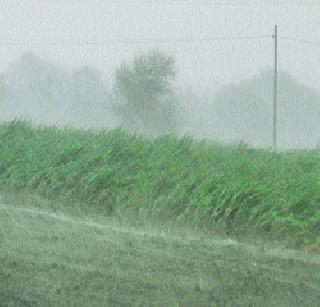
[(144, 91)]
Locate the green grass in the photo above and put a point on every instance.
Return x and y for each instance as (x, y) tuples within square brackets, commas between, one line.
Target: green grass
[(233, 188), (61, 260)]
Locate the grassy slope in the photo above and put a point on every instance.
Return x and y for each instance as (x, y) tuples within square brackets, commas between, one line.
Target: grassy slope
[(60, 261), (203, 183)]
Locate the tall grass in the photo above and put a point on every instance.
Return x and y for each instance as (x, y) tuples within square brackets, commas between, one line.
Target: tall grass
[(177, 179)]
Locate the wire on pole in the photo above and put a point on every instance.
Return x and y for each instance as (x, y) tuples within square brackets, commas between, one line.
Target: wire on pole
[(134, 41), (300, 40)]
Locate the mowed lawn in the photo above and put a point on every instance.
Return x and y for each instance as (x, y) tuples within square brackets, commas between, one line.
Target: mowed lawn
[(49, 259)]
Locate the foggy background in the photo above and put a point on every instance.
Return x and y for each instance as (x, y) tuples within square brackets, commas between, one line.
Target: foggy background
[(58, 61)]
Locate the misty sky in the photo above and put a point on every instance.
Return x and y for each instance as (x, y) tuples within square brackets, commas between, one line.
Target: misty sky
[(202, 65)]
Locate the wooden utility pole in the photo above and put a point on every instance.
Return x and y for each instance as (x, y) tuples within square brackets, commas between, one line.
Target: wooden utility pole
[(275, 132)]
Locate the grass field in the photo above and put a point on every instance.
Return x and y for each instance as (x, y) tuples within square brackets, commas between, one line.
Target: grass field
[(52, 259), (234, 188), (113, 219)]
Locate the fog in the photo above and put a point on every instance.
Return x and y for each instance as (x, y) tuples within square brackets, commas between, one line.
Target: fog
[(58, 61)]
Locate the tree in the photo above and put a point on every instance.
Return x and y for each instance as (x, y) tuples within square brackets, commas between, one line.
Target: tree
[(144, 91)]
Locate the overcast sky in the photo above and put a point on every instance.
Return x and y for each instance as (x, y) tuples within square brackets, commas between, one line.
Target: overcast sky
[(201, 64)]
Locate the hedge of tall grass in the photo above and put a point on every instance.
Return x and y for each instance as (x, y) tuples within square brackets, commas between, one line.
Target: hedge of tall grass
[(179, 179)]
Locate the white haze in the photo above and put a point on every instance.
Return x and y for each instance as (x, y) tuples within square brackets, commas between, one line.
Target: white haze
[(224, 86)]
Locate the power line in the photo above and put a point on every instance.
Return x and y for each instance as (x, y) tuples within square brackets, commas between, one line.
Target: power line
[(305, 41), (135, 40), (153, 40)]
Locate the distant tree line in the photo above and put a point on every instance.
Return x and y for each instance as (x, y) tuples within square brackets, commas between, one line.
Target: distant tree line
[(143, 97)]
